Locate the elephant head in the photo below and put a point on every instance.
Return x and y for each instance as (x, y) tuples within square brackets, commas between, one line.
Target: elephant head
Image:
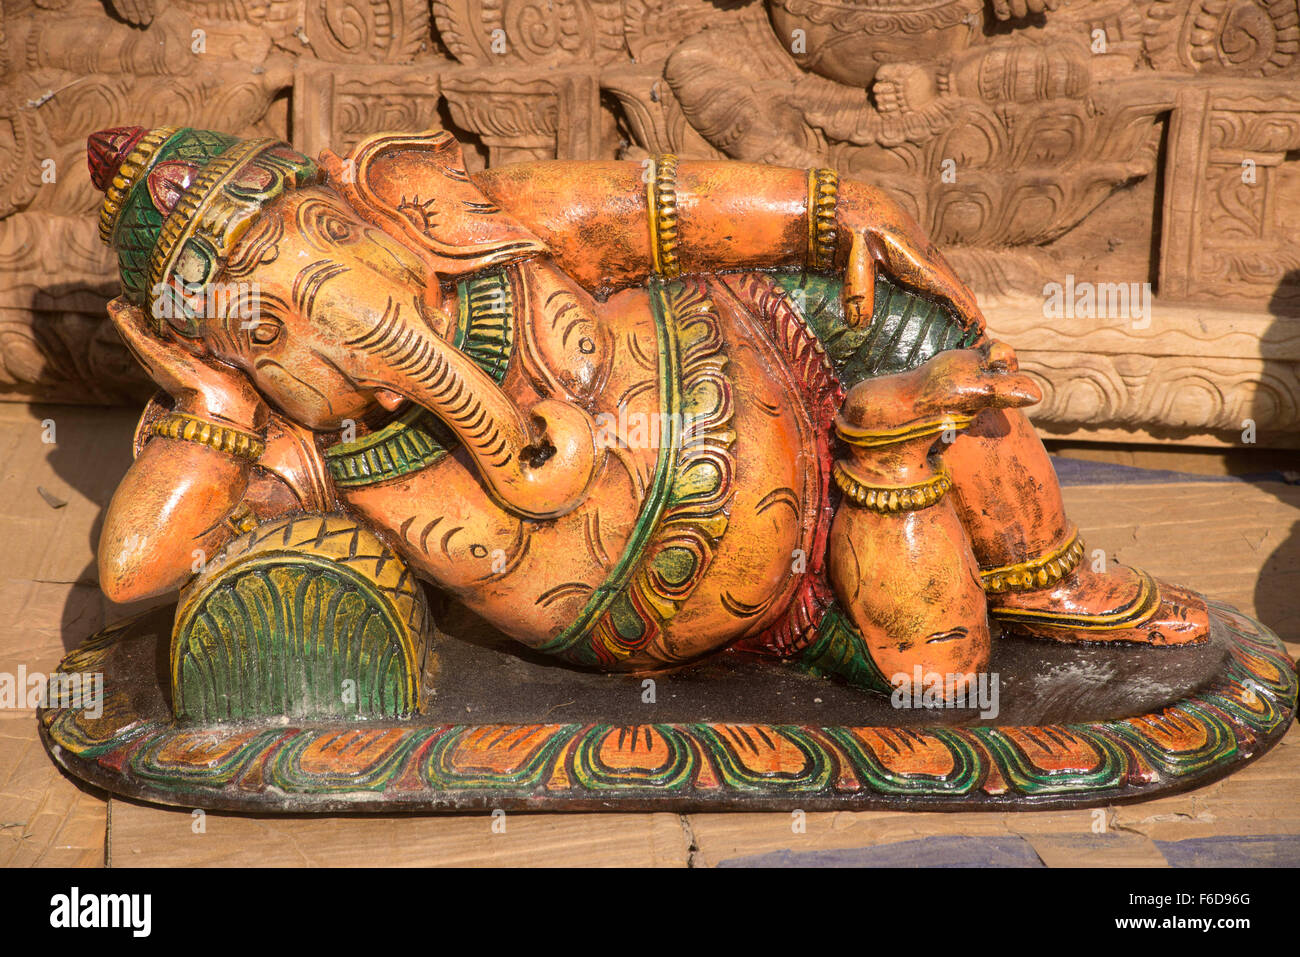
[(325, 289)]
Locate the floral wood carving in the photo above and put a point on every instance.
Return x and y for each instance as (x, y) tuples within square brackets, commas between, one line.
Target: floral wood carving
[(1109, 141)]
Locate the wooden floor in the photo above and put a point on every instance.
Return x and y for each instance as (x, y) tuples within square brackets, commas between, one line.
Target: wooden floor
[(1240, 542)]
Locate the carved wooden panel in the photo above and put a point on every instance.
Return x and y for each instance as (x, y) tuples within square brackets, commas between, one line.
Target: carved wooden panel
[(1193, 375), (1155, 141), (1231, 212), (527, 115), (335, 106)]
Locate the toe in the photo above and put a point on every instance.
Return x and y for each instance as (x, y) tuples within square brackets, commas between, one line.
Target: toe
[(1182, 619)]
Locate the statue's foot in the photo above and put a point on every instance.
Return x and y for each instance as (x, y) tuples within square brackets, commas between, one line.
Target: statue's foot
[(902, 87), (1122, 605)]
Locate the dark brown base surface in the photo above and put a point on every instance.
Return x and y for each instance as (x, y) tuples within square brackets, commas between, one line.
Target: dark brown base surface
[(1076, 726)]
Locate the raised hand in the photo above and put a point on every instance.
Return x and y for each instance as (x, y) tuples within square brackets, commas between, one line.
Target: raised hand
[(881, 232), (201, 387)]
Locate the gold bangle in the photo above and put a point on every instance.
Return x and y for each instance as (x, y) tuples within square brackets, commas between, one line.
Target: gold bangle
[(1035, 573), (892, 498), (823, 196), (187, 428), (874, 438), (661, 199)]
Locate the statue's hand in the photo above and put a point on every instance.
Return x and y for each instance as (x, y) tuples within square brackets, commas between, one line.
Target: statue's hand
[(880, 232), (956, 382), (965, 381), (859, 282), (203, 388), (1020, 9)]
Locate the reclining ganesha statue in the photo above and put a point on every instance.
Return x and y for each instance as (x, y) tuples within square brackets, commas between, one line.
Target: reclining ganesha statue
[(638, 417)]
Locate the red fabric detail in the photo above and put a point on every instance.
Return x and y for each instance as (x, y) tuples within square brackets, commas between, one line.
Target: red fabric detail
[(106, 149), (822, 396)]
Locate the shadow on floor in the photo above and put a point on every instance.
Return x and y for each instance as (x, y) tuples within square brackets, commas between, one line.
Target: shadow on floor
[(1277, 593), (91, 454)]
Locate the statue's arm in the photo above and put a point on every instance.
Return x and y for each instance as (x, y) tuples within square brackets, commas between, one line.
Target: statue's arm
[(713, 216), (168, 514), (171, 508)]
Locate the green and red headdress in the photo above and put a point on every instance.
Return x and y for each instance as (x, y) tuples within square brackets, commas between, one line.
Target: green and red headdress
[(176, 201)]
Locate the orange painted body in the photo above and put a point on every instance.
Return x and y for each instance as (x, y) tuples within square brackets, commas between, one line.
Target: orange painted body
[(554, 464)]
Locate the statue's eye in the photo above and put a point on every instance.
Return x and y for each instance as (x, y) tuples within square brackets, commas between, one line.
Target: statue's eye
[(337, 230), (265, 332), (322, 223)]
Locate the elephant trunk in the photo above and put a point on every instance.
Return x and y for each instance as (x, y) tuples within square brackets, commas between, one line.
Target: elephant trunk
[(537, 462)]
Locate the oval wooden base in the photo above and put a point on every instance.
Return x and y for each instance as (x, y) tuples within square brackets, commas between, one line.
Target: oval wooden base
[(1232, 716)]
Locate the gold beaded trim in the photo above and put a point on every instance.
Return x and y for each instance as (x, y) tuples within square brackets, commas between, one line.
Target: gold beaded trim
[(1036, 573), (892, 498), (873, 438), (823, 195), (661, 200), (132, 167), (183, 220), (177, 425)]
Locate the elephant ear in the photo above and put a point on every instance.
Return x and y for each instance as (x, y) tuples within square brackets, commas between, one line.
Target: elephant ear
[(415, 187)]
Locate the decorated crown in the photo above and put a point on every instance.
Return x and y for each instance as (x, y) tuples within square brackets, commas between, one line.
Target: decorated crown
[(176, 201)]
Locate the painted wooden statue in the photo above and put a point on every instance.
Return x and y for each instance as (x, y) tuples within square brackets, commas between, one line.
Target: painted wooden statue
[(631, 415)]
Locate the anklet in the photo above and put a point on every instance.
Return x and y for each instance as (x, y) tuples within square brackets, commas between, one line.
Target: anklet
[(1137, 612), (1036, 573), (891, 498)]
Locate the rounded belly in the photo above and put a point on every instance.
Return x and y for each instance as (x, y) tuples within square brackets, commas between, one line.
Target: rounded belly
[(694, 530), (770, 512)]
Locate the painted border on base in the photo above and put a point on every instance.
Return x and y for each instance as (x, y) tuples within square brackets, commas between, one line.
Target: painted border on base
[(404, 766)]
